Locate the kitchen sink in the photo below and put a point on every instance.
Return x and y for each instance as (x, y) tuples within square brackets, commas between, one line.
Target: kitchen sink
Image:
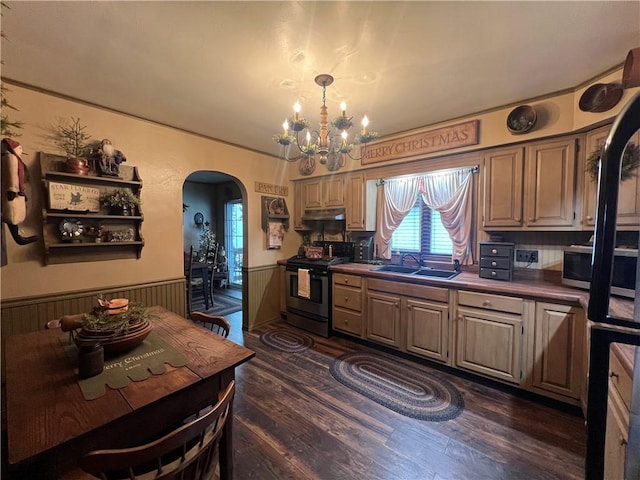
[(423, 272), (434, 272), (395, 269)]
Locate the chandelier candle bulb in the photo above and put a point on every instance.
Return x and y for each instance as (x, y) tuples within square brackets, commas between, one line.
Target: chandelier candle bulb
[(285, 126), (343, 107), (365, 122), (296, 108)]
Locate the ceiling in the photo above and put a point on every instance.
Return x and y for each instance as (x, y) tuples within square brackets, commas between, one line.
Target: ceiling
[(233, 70)]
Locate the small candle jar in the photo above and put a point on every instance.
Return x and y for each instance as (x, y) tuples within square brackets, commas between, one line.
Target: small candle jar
[(90, 360)]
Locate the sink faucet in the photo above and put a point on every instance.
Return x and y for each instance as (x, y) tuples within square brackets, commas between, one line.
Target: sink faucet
[(456, 266), (405, 255)]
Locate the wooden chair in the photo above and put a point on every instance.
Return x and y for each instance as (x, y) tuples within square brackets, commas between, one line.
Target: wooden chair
[(215, 323), (193, 283), (189, 452)]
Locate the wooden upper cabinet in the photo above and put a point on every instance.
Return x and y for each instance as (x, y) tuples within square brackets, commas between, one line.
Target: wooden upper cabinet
[(334, 192), (503, 187), (550, 187), (629, 193), (360, 204), (323, 193), (531, 186), (298, 207), (312, 194)]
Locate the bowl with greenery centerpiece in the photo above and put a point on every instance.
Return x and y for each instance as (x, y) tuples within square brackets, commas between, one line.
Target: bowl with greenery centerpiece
[(118, 330)]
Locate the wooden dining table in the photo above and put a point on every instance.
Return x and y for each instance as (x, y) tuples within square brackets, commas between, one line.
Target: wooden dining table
[(50, 425)]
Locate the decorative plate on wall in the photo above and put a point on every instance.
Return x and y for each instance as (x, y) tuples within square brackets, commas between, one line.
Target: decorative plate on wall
[(600, 97), (521, 119)]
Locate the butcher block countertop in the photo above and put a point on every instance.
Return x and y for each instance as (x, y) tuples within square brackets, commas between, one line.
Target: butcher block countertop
[(547, 288)]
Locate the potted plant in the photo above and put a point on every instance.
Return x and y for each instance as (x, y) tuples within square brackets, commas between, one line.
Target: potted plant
[(71, 138), (120, 201)]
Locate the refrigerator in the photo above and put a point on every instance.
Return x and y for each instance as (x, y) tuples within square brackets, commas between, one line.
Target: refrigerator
[(608, 329)]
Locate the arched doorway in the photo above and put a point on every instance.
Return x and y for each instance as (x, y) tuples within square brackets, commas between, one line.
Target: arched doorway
[(214, 204)]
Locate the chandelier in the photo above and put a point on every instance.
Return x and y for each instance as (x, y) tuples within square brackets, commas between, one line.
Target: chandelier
[(330, 145)]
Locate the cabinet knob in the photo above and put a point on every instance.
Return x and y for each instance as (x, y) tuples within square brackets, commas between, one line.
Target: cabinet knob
[(589, 217), (487, 303), (494, 251), (494, 273), (346, 281), (494, 264), (346, 299), (346, 321)]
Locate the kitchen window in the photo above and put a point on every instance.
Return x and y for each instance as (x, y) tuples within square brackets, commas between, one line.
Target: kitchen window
[(421, 231)]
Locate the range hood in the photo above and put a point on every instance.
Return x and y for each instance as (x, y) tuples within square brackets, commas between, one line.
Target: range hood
[(323, 215)]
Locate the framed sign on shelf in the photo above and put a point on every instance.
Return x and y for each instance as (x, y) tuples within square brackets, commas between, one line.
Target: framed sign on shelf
[(79, 198)]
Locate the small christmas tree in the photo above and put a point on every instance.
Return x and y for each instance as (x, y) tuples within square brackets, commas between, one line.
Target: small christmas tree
[(207, 242)]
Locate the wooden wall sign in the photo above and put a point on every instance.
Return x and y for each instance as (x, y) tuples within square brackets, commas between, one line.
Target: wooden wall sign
[(79, 198), (281, 190), (445, 138)]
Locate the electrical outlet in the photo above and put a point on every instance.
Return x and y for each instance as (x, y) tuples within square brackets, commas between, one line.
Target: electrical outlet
[(529, 256)]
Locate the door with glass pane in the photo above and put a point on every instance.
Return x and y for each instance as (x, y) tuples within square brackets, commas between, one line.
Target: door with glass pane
[(234, 240)]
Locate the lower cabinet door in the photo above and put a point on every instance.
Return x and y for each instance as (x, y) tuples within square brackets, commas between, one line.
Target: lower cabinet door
[(428, 329), (616, 438), (490, 343), (558, 341), (383, 319)]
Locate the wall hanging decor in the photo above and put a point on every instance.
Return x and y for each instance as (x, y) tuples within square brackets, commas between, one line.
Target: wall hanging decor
[(631, 70), (521, 119), (600, 97)]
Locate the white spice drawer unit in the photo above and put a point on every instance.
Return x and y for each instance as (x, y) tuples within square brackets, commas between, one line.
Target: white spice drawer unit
[(347, 304)]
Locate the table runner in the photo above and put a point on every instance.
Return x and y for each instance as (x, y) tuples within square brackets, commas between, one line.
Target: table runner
[(136, 365)]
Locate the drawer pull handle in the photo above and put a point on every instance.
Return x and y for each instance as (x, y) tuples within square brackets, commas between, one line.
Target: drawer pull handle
[(614, 375), (346, 280), (494, 251), (346, 321), (346, 299), (494, 264), (487, 303), (589, 217), (493, 273)]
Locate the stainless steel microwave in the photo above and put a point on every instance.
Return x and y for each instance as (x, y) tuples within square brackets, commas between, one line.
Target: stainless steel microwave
[(576, 269)]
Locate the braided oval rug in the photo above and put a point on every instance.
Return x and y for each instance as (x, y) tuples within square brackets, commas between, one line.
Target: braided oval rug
[(406, 388)]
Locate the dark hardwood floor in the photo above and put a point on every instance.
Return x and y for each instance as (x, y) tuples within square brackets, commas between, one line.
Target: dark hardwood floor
[(294, 421)]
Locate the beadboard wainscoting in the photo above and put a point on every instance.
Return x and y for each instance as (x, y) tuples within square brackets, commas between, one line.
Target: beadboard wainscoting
[(261, 296), (30, 314)]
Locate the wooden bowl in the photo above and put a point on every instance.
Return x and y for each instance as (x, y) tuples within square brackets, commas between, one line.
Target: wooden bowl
[(115, 344), (600, 97), (521, 119), (631, 71)]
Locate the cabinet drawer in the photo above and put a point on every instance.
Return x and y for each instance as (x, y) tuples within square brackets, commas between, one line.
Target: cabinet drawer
[(490, 302), (425, 292), (620, 379), (495, 274), (346, 321), (343, 279), (495, 262), (347, 297), (495, 251)]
